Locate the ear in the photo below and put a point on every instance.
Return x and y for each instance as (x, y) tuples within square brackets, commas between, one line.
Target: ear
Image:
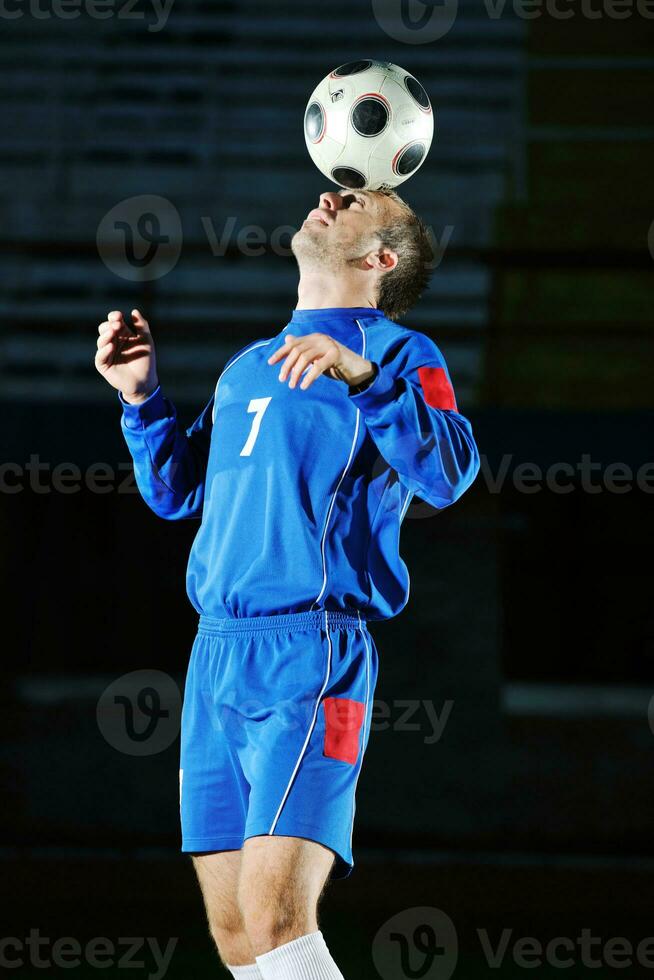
[(383, 261)]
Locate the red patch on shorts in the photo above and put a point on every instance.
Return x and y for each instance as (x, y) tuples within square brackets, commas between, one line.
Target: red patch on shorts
[(343, 721), (436, 388)]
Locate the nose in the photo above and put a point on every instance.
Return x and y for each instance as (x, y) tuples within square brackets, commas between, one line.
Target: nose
[(331, 201)]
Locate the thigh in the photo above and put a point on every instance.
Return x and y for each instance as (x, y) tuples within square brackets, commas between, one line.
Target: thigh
[(218, 875), (303, 775), (213, 789), (288, 868)]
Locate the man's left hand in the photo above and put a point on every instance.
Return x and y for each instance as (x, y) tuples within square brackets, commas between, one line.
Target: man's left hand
[(325, 355)]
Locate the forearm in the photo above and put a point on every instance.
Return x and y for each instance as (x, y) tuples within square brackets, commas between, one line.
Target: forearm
[(169, 463), (432, 450)]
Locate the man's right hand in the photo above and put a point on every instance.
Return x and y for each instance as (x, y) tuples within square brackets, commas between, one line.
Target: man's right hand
[(126, 358)]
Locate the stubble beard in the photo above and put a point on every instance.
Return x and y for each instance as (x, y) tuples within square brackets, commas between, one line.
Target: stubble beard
[(314, 253)]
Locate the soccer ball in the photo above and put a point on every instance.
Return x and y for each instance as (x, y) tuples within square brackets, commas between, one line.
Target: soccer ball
[(368, 124)]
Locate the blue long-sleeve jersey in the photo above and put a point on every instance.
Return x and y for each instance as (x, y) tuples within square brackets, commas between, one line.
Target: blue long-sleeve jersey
[(301, 494)]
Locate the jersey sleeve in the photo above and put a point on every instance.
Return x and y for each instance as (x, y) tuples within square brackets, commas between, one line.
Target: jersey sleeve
[(411, 414), (170, 463)]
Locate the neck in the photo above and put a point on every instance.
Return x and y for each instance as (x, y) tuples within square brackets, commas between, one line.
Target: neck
[(317, 291)]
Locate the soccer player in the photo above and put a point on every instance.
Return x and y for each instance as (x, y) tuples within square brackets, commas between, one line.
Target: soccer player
[(300, 469)]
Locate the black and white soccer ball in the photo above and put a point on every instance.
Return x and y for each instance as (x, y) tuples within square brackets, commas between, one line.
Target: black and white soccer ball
[(369, 124)]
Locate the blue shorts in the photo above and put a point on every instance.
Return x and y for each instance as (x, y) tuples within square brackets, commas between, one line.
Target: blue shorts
[(276, 720)]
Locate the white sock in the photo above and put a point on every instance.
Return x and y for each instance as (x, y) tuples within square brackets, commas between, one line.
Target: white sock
[(250, 972), (306, 958)]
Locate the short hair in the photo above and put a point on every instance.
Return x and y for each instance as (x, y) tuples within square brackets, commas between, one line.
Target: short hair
[(409, 238)]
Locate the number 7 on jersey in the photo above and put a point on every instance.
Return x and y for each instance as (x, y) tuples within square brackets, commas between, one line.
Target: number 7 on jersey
[(258, 406)]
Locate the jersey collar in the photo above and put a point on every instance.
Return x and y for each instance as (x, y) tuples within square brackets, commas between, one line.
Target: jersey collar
[(339, 322)]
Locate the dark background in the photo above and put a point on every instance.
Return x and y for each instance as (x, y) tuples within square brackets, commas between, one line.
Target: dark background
[(530, 611)]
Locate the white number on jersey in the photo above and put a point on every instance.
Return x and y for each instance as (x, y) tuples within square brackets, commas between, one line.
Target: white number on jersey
[(259, 406)]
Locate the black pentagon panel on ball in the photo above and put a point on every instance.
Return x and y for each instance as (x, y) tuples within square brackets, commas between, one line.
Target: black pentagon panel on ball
[(417, 91), (348, 177), (410, 158), (370, 117), (314, 122), (351, 68)]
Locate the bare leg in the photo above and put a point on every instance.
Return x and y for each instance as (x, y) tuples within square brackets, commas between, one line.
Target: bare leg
[(280, 884), (218, 875)]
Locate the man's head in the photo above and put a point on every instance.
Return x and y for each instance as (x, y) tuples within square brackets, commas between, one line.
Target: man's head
[(373, 236)]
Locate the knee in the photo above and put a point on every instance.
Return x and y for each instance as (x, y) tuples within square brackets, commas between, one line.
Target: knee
[(270, 920), (228, 933)]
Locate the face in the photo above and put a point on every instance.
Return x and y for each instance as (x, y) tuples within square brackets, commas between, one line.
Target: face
[(343, 227)]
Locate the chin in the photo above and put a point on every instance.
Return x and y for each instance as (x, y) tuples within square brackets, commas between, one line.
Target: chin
[(302, 241)]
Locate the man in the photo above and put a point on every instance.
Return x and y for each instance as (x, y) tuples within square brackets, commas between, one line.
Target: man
[(301, 468)]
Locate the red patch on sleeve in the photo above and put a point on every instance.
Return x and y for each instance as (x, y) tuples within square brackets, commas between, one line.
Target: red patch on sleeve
[(343, 721), (436, 388)]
